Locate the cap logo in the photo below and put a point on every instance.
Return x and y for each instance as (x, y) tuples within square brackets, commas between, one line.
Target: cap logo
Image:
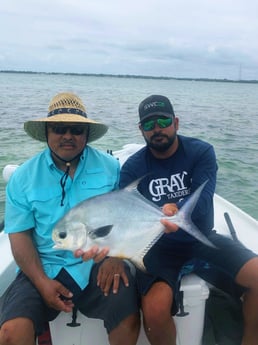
[(153, 105)]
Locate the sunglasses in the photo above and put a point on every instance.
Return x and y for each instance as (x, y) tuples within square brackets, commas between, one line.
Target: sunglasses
[(74, 130), (162, 122)]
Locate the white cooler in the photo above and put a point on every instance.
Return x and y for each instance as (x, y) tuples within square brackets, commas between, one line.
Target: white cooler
[(92, 332), (190, 327)]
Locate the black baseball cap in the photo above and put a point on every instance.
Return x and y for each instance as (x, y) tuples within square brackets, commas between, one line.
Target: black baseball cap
[(155, 105)]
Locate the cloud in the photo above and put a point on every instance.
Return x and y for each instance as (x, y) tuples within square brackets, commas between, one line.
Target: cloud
[(191, 38)]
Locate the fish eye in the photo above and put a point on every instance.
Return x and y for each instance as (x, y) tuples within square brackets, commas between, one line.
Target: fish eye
[(62, 235)]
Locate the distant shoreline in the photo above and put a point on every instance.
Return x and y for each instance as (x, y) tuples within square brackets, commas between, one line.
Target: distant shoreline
[(133, 76)]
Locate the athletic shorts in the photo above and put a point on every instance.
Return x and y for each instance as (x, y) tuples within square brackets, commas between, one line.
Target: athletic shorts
[(218, 266), (22, 299)]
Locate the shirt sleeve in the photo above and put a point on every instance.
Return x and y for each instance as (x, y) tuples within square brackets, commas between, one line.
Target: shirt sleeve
[(205, 169), (133, 169), (18, 214)]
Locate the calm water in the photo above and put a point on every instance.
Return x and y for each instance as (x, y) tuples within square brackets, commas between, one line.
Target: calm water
[(225, 114)]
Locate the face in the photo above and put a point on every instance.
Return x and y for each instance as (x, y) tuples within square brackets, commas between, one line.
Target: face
[(159, 132), (66, 140)]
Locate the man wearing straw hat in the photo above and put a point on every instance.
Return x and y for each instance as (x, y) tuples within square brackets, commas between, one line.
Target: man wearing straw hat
[(38, 194)]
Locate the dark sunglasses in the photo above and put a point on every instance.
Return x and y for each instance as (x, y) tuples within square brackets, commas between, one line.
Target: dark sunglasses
[(74, 130), (161, 122)]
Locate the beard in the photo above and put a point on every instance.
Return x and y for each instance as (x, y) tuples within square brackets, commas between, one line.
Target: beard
[(161, 146)]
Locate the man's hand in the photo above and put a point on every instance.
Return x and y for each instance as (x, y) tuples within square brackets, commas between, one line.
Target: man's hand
[(110, 272), (56, 295), (93, 253), (169, 210), (26, 255)]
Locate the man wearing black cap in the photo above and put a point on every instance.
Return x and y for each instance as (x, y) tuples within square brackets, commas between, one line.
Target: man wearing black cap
[(174, 166)]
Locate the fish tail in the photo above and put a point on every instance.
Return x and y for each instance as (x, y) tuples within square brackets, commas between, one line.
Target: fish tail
[(189, 206), (184, 221)]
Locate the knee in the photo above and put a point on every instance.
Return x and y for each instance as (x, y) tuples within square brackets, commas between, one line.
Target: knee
[(248, 275), (132, 322), (14, 331), (157, 304), (7, 334), (127, 331), (156, 312), (250, 297)]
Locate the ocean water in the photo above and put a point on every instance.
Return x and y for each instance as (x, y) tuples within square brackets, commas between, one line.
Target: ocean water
[(224, 114)]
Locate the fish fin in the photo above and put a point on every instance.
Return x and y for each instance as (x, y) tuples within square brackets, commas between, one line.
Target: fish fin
[(183, 217), (138, 262), (138, 259), (189, 206), (132, 188), (100, 232), (133, 185)]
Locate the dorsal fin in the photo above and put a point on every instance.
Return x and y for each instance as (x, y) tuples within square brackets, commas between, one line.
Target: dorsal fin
[(133, 185)]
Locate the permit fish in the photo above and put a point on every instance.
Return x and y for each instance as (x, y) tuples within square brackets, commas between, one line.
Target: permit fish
[(124, 221)]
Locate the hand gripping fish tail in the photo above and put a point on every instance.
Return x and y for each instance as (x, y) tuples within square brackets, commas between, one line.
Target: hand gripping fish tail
[(183, 217)]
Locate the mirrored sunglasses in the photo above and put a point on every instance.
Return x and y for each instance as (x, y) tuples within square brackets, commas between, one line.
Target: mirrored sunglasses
[(162, 122)]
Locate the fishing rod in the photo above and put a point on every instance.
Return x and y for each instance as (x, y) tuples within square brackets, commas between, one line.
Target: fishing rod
[(231, 226)]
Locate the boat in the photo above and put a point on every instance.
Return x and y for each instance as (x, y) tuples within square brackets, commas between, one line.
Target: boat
[(76, 329)]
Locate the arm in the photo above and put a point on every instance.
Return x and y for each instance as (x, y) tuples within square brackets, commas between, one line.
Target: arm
[(205, 168), (27, 258)]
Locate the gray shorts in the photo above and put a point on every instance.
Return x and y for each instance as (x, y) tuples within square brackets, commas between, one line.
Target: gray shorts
[(22, 299)]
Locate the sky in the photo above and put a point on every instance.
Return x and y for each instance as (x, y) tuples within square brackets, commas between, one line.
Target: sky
[(161, 38)]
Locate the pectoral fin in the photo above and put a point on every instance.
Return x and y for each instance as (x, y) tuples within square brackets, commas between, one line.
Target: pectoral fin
[(100, 232)]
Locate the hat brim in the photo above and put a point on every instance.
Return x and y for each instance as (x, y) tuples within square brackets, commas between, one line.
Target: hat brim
[(158, 113), (36, 129)]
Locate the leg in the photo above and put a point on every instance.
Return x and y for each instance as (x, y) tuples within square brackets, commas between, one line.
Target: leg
[(158, 322), (19, 331), (248, 277), (119, 311), (21, 313), (126, 332), (239, 263)]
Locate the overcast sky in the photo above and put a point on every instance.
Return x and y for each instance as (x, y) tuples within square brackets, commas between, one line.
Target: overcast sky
[(174, 38)]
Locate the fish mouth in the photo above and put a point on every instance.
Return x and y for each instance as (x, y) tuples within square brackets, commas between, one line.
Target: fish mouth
[(57, 246)]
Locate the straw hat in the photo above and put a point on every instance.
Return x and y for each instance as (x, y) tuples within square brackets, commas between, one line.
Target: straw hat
[(65, 107)]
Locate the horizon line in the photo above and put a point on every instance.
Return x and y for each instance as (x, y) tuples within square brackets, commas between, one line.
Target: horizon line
[(136, 76)]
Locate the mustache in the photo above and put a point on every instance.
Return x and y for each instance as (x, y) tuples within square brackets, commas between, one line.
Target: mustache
[(64, 142), (158, 135)]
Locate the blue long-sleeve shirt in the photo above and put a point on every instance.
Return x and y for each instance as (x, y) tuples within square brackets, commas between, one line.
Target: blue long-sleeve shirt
[(172, 180)]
